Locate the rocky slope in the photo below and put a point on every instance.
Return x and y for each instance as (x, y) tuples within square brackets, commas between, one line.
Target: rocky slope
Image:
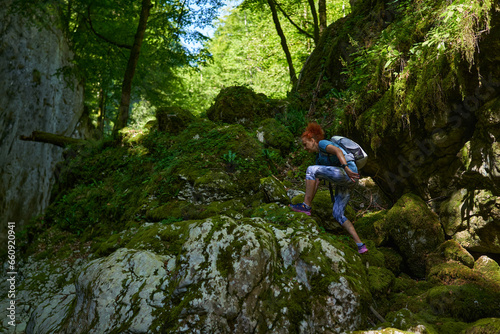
[(184, 226), (190, 232)]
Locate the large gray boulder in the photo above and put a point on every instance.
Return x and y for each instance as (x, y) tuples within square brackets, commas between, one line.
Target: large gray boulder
[(214, 275)]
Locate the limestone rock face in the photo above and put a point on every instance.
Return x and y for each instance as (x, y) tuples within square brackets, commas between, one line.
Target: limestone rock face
[(214, 275), (33, 97)]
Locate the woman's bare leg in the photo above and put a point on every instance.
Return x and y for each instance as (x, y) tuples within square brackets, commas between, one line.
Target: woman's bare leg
[(352, 231), (311, 189)]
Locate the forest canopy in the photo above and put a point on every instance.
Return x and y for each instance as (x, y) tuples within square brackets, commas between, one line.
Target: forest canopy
[(135, 56)]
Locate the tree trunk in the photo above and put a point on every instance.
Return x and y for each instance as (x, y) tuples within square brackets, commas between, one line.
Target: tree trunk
[(315, 21), (322, 16), (50, 138), (293, 76), (123, 111), (102, 113)]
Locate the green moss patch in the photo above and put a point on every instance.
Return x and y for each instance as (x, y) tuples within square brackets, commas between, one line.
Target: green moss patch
[(466, 302)]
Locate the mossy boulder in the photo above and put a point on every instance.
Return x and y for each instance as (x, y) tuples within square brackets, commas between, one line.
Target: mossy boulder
[(173, 119), (373, 258), (381, 280), (371, 226), (383, 331), (274, 190), (322, 207), (241, 105), (468, 302), (175, 209), (488, 267), (283, 216), (215, 275), (392, 259), (450, 251), (274, 134), (415, 230), (457, 274), (484, 326), (405, 319)]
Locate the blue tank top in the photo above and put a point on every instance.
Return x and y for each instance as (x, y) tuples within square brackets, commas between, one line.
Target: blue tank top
[(326, 159)]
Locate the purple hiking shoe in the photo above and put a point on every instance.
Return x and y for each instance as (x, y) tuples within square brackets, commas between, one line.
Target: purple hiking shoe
[(300, 208), (362, 249)]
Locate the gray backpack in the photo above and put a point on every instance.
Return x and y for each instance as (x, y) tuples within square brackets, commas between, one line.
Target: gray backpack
[(352, 148)]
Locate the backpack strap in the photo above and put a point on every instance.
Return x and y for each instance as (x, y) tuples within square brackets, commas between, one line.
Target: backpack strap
[(331, 192)]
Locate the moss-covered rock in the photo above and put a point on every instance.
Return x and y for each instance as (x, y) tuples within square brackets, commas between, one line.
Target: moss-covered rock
[(274, 134), (174, 209), (416, 231), (470, 216), (371, 226), (241, 105), (456, 273), (448, 251), (216, 274), (173, 119), (322, 209), (383, 331), (489, 268), (373, 258), (282, 215), (274, 190), (404, 319), (381, 280), (392, 259), (484, 326), (468, 302)]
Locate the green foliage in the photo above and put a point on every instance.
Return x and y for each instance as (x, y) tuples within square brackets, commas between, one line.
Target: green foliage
[(413, 61), (293, 117), (101, 34), (246, 51), (230, 157)]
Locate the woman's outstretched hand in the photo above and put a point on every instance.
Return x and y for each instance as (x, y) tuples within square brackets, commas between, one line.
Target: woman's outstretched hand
[(353, 176)]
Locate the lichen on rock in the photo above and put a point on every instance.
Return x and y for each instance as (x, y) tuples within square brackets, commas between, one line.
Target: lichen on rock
[(226, 275)]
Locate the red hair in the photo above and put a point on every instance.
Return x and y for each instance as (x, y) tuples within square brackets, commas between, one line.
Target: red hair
[(314, 131)]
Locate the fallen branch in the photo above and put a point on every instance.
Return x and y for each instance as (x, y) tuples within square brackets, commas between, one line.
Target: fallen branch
[(377, 315), (50, 138)]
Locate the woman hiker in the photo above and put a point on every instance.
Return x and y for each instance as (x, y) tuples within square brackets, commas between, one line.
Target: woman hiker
[(331, 165)]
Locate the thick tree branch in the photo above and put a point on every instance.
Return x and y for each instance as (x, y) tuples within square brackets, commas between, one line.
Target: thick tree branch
[(315, 19), (89, 20), (284, 45), (50, 138), (302, 31)]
